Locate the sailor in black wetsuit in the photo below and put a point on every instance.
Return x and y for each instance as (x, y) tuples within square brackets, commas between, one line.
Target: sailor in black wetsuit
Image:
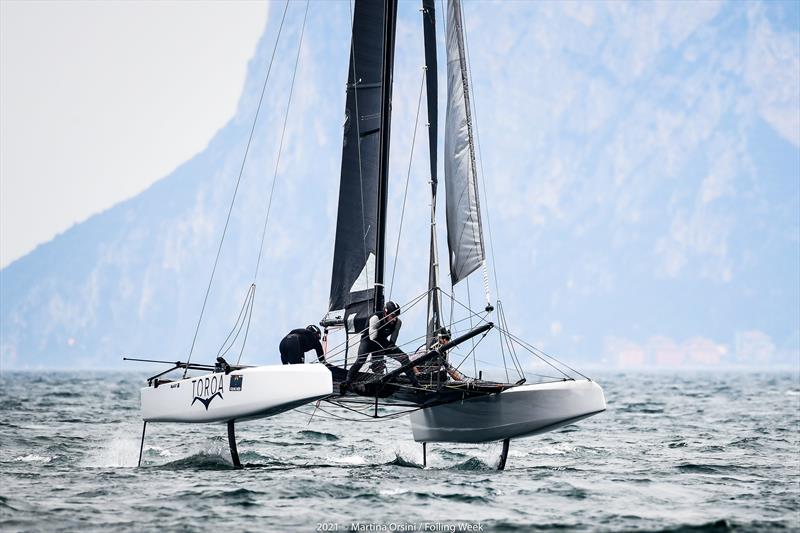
[(294, 345), (379, 340)]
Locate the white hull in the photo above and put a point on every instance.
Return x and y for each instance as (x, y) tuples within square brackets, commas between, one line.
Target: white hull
[(518, 412), (241, 395)]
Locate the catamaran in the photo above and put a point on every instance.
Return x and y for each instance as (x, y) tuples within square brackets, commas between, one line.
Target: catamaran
[(445, 404)]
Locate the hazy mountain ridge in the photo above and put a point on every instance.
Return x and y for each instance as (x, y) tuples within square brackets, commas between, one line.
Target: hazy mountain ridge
[(60, 298), (643, 217)]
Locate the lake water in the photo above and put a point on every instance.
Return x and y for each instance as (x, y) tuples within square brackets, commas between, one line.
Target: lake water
[(704, 452)]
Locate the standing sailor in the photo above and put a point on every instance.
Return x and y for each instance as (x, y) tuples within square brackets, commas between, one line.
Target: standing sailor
[(294, 345), (379, 339)]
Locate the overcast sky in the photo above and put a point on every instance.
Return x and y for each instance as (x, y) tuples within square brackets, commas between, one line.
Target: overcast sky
[(100, 99)]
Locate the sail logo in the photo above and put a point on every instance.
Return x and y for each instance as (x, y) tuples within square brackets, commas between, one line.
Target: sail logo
[(206, 389)]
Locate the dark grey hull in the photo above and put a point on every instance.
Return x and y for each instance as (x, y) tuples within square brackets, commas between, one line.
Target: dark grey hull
[(517, 412)]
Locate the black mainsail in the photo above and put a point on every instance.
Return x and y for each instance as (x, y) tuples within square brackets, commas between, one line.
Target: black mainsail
[(357, 278)]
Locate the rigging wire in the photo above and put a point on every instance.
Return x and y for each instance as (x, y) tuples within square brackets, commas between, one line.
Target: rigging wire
[(236, 189), (480, 160), (472, 353), (366, 418), (237, 327), (332, 356), (371, 407), (408, 178), (275, 175), (412, 342), (469, 301), (280, 144), (503, 352), (554, 378), (537, 352), (247, 329), (533, 349), (410, 304), (501, 313)]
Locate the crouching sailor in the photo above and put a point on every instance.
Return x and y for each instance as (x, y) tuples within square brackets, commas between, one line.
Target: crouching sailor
[(294, 345), (442, 338), (379, 339)]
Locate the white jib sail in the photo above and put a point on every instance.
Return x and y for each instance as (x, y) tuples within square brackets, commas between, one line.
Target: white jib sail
[(464, 232)]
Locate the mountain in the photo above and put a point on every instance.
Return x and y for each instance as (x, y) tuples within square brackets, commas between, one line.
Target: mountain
[(642, 169)]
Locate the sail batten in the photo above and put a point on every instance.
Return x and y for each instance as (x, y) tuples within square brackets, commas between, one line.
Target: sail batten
[(464, 230)]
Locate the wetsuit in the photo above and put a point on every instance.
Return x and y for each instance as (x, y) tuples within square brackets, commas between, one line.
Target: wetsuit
[(379, 340), (294, 346)]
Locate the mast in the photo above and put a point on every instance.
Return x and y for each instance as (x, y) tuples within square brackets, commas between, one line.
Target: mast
[(358, 259), (389, 26), (432, 85)]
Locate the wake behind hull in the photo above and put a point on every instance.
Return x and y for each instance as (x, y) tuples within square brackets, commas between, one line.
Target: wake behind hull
[(517, 412), (243, 394)]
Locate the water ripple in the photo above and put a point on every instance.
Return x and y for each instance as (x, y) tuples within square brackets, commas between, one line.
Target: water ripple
[(672, 453)]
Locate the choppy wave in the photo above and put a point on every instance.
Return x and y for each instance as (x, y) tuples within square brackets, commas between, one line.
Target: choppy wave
[(318, 435), (693, 454), (199, 461), (32, 457), (723, 525), (403, 461)]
